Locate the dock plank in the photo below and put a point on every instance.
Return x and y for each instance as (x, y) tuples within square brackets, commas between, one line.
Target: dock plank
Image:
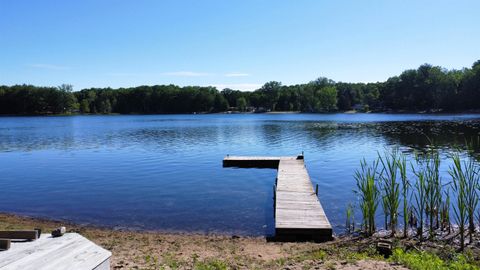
[(71, 251), (298, 212)]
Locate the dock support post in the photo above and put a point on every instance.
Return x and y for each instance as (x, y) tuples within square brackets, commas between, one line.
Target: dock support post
[(274, 199), (316, 190)]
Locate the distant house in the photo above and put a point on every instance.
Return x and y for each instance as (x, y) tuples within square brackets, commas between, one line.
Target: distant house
[(261, 110), (358, 107)]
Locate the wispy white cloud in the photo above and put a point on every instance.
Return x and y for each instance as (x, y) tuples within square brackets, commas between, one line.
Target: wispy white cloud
[(48, 66), (239, 86), (186, 74), (124, 74), (236, 74)]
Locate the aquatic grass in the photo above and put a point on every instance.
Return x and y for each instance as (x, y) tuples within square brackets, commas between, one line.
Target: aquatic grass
[(402, 168), (412, 218), (427, 191), (425, 198), (420, 196), (350, 222), (433, 190), (472, 177), (469, 172), (445, 213), (457, 172), (390, 187), (385, 209), (369, 194)]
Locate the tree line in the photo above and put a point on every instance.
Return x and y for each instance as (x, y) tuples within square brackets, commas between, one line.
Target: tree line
[(427, 88)]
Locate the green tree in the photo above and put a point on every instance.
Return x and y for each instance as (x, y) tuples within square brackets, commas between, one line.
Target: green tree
[(270, 92), (84, 106), (327, 98), (220, 104), (241, 104)]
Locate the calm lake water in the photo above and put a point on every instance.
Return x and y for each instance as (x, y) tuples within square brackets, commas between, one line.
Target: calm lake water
[(164, 172)]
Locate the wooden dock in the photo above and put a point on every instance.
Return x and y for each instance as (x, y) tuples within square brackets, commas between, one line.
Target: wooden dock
[(70, 251), (299, 214)]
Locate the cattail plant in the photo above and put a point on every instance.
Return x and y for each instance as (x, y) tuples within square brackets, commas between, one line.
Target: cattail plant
[(390, 187), (412, 218), (369, 194), (385, 208), (471, 174), (433, 189), (420, 196), (445, 213), (350, 222), (402, 167), (472, 177), (457, 171)]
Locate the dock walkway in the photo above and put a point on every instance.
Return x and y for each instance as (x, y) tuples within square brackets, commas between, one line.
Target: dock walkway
[(70, 252), (299, 214)]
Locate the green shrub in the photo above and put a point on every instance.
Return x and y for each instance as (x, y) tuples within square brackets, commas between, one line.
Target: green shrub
[(427, 261)]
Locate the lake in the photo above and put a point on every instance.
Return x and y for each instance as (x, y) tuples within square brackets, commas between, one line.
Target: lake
[(164, 172)]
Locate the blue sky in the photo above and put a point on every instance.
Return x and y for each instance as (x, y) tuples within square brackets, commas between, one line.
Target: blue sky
[(239, 44)]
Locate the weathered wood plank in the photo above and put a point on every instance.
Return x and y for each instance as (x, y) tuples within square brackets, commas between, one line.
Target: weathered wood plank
[(71, 251), (105, 265), (21, 250), (297, 206), (5, 244), (254, 162), (85, 256), (298, 212), (19, 235)]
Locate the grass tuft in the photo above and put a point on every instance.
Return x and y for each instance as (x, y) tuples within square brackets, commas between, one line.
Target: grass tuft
[(369, 194), (427, 261)]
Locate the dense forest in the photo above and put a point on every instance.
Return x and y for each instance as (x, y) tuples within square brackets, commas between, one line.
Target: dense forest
[(428, 88)]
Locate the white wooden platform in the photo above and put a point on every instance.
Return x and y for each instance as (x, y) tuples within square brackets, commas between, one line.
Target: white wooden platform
[(299, 214), (70, 251)]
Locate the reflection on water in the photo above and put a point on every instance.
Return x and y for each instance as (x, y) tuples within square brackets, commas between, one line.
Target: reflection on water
[(164, 172)]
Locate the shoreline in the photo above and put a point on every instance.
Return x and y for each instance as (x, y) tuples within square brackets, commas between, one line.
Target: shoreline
[(155, 250), (113, 228), (236, 113), (167, 250), (348, 112)]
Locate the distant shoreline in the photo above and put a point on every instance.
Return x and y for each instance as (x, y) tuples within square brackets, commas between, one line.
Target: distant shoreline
[(274, 112)]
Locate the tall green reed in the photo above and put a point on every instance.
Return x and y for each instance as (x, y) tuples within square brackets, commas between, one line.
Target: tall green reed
[(350, 221), (426, 201), (385, 209), (390, 187), (433, 190), (459, 184), (369, 194), (445, 212), (402, 167), (472, 175), (420, 195)]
